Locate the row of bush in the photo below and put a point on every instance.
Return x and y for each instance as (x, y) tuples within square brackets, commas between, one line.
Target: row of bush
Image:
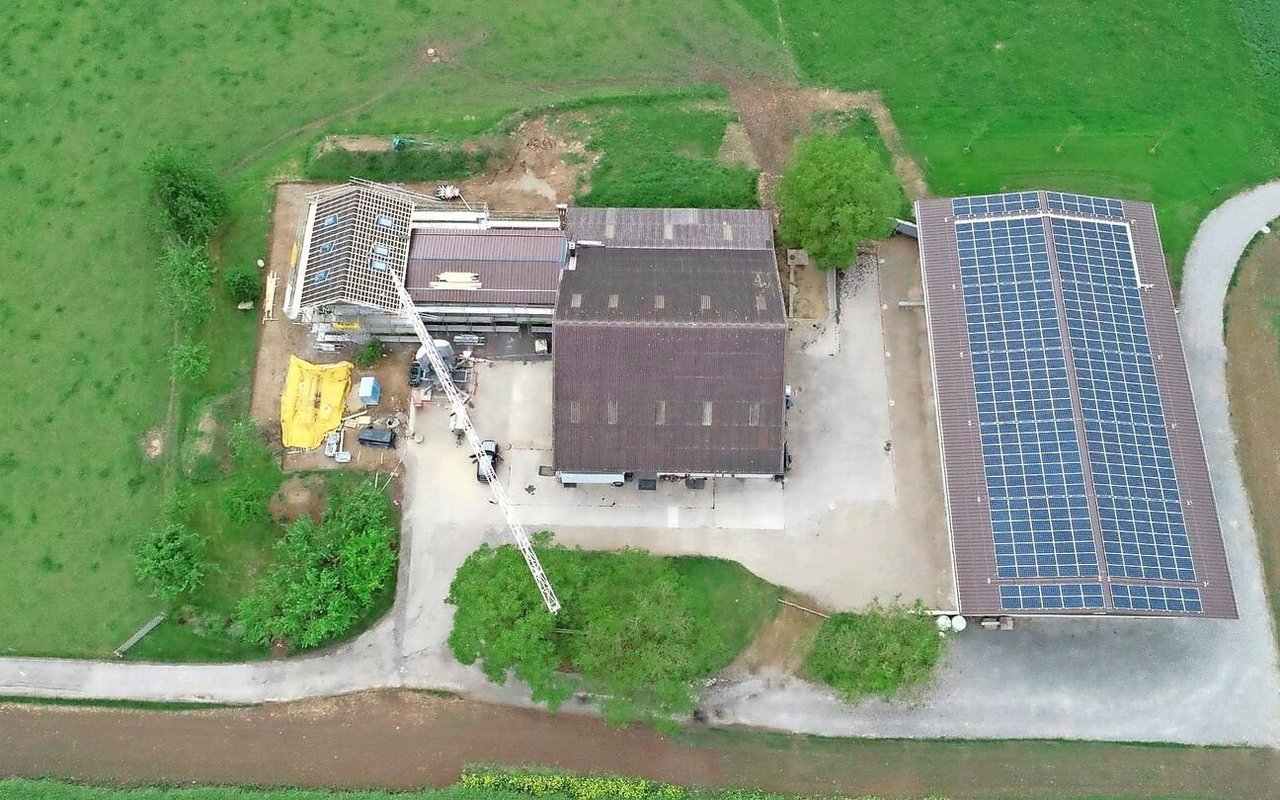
[(548, 784)]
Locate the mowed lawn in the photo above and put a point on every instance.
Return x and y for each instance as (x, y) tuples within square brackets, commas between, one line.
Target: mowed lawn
[(87, 89), (1156, 100)]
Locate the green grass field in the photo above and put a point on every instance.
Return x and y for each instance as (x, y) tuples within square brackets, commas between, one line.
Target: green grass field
[(1156, 101), (1169, 102), (88, 91)]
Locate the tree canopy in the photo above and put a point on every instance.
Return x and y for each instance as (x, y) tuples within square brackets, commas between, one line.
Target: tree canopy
[(327, 574), (190, 194), (170, 559), (630, 631), (835, 194)]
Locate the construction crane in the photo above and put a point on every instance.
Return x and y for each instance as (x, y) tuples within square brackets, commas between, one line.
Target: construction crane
[(459, 408)]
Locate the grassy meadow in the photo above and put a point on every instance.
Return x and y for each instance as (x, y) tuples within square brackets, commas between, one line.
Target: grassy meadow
[(87, 91), (1166, 102), (1173, 102)]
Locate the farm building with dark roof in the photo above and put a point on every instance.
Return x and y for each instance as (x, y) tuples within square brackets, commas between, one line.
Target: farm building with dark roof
[(669, 360)]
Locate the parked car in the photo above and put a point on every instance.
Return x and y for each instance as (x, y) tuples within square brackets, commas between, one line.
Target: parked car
[(488, 460)]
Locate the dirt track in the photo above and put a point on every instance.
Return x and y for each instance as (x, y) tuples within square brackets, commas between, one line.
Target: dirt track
[(403, 740)]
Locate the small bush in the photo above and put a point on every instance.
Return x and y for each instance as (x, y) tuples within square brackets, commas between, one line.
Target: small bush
[(245, 501), (243, 284), (189, 360), (170, 559), (878, 651), (186, 275), (369, 353), (190, 194)]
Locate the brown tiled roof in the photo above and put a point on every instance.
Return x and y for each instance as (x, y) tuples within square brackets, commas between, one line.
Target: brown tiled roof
[(670, 361), (688, 228), (642, 285), (514, 266), (969, 514)]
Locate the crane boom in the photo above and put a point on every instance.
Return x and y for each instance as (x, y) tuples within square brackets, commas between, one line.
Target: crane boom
[(459, 408)]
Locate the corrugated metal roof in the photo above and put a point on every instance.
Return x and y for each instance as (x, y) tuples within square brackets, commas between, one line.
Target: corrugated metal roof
[(689, 228), (965, 484), (493, 244), (644, 285), (670, 361), (520, 267), (614, 382)]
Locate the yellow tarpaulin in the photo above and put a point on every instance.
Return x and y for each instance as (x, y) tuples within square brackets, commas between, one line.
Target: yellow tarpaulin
[(314, 400)]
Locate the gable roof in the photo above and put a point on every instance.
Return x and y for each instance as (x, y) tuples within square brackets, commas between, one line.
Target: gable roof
[(358, 236), (519, 266), (672, 287), (689, 228), (670, 360)]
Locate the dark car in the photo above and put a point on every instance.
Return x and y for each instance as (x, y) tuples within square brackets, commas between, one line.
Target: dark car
[(417, 373), (488, 460)]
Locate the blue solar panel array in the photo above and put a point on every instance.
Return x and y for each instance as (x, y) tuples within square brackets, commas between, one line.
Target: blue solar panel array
[(1144, 532), (1031, 454), (1051, 596), (1035, 403), (1156, 598), (1084, 204), (986, 204)]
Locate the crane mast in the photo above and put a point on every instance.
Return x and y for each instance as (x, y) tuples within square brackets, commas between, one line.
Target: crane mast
[(459, 408)]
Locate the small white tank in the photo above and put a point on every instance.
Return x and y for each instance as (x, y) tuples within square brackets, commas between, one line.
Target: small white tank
[(958, 623), (943, 622)]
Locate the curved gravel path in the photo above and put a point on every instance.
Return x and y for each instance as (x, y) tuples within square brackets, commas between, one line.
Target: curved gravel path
[(1225, 689)]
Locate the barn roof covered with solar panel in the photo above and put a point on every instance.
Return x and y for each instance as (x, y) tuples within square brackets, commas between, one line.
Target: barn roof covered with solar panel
[(1074, 469)]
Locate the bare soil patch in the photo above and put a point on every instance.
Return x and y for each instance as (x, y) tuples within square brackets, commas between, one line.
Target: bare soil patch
[(532, 174), (735, 148), (152, 443), (1253, 385), (206, 430), (379, 740), (783, 642), (302, 496), (775, 115)]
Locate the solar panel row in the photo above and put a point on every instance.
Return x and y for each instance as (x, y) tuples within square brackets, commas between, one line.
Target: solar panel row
[(1008, 203), (1156, 598), (1085, 204), (1143, 529), (1031, 455), (1051, 596)]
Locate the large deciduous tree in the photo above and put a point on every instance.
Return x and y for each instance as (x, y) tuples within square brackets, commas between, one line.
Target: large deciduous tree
[(835, 195)]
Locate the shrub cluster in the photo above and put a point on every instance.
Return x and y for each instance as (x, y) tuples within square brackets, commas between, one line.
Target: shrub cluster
[(190, 194), (630, 628), (327, 574), (170, 559), (537, 783), (189, 360), (877, 651)]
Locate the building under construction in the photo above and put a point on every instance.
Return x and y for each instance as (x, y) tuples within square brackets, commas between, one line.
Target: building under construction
[(667, 326)]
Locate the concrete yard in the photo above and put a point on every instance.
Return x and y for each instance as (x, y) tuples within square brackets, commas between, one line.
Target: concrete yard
[(851, 523)]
